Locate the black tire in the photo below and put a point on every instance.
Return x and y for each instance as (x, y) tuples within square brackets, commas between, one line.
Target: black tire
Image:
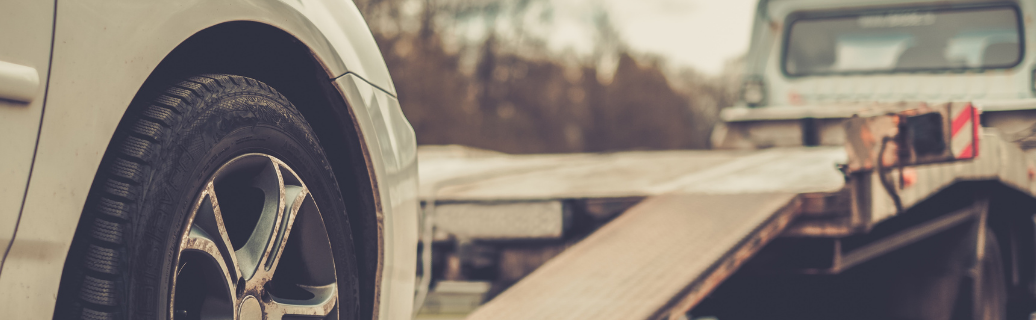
[(991, 302), (124, 254), (940, 281)]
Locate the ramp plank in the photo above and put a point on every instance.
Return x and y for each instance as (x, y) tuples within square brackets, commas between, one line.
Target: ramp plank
[(654, 257)]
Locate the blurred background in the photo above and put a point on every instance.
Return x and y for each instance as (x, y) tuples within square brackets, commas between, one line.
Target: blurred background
[(548, 76), (554, 76)]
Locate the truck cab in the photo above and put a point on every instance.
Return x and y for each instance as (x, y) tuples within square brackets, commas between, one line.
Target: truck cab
[(811, 62)]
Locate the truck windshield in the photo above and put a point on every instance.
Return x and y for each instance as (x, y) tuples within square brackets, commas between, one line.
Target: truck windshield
[(904, 41)]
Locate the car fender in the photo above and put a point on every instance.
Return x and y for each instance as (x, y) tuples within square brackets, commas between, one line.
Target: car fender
[(105, 50)]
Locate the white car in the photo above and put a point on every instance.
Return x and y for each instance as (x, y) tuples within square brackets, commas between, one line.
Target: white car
[(234, 159)]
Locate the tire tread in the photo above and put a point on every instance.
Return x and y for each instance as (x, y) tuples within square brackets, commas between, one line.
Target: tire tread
[(122, 179)]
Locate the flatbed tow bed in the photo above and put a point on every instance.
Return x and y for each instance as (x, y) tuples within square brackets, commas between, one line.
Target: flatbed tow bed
[(703, 214), (911, 208), (661, 256)]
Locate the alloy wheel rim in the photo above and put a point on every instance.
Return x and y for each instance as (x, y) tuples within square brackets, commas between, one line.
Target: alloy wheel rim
[(263, 254)]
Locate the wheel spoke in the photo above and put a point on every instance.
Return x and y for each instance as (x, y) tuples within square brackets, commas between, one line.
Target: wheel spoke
[(252, 254), (296, 195), (320, 305), (209, 219), (200, 241)]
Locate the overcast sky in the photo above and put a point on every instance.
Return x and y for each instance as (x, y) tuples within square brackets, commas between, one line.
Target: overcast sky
[(700, 33)]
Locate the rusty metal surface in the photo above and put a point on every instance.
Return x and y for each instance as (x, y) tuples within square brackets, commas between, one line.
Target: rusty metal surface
[(997, 160), (827, 215), (655, 260)]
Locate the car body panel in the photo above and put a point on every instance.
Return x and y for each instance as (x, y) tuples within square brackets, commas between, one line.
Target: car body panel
[(104, 50), (27, 49), (397, 174)]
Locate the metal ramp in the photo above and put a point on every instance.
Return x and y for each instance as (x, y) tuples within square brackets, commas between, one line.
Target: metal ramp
[(704, 213), (655, 261)]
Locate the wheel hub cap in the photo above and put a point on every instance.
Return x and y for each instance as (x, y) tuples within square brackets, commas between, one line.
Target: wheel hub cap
[(250, 309)]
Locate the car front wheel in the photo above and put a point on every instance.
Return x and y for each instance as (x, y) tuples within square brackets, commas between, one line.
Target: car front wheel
[(215, 201)]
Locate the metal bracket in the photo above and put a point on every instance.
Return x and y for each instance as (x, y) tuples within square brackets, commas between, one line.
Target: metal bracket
[(843, 260)]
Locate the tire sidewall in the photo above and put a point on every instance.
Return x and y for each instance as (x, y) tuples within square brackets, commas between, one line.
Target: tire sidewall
[(993, 301), (229, 122)]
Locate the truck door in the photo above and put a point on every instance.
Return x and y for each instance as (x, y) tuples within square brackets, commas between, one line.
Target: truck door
[(24, 66)]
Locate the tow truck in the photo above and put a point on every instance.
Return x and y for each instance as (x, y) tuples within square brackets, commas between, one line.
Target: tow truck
[(878, 166)]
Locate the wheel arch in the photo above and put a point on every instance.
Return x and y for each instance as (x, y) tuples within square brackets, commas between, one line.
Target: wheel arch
[(1010, 221), (1015, 229), (275, 57)]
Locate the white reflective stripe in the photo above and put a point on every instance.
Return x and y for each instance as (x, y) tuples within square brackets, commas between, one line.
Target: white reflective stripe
[(18, 82)]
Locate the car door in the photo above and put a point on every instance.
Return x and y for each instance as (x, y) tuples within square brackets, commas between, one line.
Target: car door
[(26, 30)]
